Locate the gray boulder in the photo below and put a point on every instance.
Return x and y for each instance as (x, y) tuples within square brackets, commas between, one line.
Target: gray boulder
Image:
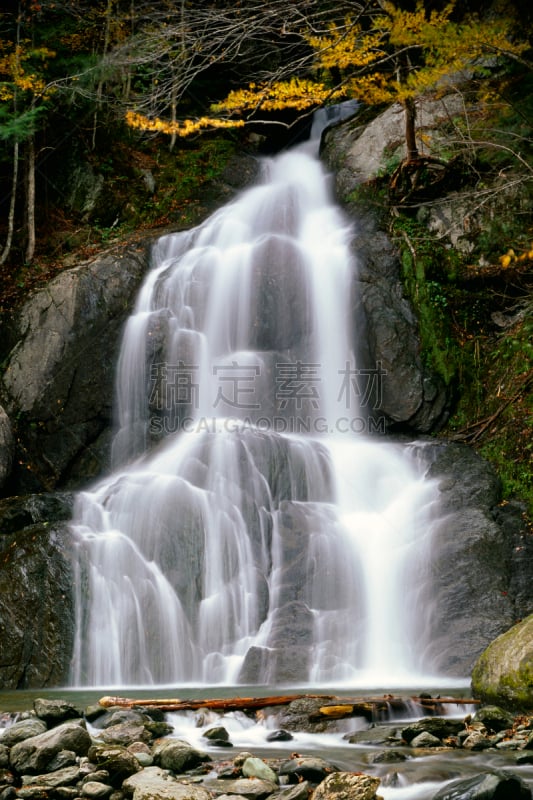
[(24, 729), (33, 755), (53, 712), (486, 787), (177, 755), (154, 783), (438, 727), (424, 740), (307, 768), (119, 762), (125, 733), (95, 790), (301, 791), (257, 768), (341, 785), (60, 777), (503, 674)]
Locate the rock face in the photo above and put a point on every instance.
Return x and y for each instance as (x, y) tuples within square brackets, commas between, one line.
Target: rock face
[(58, 383), (36, 609), (6, 447), (504, 671), (472, 587), (359, 152), (409, 395)]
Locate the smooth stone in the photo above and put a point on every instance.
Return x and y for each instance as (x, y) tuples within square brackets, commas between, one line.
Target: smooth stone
[(218, 733), (257, 768), (301, 791), (178, 756), (251, 788), (96, 790), (53, 712), (279, 736), (476, 741), (388, 757), (425, 739), (61, 777), (308, 768)]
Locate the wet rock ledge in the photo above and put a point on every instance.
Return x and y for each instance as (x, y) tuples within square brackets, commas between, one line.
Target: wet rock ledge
[(57, 752)]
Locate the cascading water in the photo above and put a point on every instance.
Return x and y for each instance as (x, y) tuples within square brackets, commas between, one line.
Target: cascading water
[(252, 531)]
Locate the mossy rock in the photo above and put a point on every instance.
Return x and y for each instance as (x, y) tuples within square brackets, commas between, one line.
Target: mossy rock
[(503, 673)]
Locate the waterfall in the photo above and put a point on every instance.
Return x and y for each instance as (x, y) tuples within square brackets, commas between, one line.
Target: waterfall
[(253, 530)]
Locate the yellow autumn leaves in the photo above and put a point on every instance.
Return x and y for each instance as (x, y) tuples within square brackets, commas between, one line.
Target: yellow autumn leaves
[(347, 46), (185, 128), (298, 94), (510, 257), (18, 73)]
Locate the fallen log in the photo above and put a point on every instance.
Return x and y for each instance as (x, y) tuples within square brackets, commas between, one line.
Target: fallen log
[(341, 706)]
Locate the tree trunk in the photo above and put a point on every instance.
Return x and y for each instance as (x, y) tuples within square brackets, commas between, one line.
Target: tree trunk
[(100, 87), (173, 113), (129, 67), (11, 216), (16, 158), (410, 129), (30, 201)]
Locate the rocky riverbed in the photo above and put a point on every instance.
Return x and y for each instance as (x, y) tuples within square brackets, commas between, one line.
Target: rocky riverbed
[(59, 752)]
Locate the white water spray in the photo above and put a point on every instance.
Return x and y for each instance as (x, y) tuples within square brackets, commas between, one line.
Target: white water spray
[(250, 531)]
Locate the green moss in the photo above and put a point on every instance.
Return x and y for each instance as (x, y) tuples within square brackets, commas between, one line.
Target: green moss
[(503, 673), (495, 405), (428, 273), (517, 687), (184, 179)]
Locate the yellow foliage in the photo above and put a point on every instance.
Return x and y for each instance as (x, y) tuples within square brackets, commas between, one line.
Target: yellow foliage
[(15, 65), (507, 258), (439, 46), (510, 257), (401, 55), (347, 46)]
